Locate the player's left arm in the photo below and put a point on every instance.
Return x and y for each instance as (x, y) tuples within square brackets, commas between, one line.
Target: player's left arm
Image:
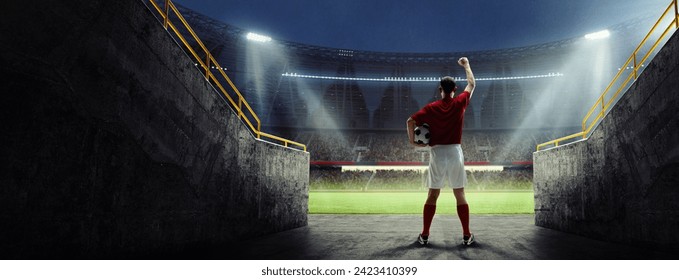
[(410, 124)]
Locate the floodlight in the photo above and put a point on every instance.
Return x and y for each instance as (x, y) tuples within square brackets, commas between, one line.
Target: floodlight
[(258, 38), (417, 79), (598, 35)]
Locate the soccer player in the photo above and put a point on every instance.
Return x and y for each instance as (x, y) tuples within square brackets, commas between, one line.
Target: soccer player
[(446, 162)]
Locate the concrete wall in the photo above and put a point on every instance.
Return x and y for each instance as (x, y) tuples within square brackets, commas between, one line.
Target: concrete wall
[(114, 146), (621, 184)]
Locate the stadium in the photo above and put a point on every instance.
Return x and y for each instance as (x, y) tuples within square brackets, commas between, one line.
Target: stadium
[(168, 134), (313, 94), (349, 106)]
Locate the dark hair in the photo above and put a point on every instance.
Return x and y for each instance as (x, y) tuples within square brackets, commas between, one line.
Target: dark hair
[(447, 85)]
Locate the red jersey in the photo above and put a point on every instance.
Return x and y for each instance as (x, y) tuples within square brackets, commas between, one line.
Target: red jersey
[(445, 118)]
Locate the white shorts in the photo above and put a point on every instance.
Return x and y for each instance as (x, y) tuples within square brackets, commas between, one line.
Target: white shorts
[(446, 162)]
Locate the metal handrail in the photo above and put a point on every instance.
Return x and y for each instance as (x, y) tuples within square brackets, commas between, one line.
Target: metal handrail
[(209, 62), (556, 141), (601, 103)]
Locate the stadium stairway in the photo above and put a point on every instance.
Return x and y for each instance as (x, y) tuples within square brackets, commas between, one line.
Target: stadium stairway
[(115, 146), (621, 183)]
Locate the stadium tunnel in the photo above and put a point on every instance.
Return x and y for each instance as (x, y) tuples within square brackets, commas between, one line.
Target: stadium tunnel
[(621, 183), (116, 146)]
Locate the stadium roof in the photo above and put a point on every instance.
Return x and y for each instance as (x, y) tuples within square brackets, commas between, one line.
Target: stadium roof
[(218, 31), (429, 26)]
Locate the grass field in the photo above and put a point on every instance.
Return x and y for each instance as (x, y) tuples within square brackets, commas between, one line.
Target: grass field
[(510, 202)]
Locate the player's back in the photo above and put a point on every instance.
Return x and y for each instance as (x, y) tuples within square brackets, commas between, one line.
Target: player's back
[(445, 118)]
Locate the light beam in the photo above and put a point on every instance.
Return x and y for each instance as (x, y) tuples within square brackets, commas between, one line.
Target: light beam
[(258, 37), (598, 35)]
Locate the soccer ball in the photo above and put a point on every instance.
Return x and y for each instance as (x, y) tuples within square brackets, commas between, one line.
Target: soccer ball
[(422, 134)]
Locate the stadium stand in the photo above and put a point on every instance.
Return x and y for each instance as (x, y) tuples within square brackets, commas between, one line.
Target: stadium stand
[(392, 146), (351, 105), (297, 85), (334, 179)]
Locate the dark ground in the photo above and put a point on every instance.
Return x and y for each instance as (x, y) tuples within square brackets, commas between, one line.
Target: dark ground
[(351, 237)]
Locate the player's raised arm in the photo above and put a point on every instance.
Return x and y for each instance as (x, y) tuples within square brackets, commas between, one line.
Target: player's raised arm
[(471, 82)]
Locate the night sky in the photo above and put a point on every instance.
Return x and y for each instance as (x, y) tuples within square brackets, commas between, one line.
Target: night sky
[(425, 25)]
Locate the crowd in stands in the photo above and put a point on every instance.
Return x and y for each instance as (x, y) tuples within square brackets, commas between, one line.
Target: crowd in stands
[(335, 179), (331, 146), (504, 180), (391, 146)]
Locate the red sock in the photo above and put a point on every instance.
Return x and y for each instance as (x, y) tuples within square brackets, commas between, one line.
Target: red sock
[(463, 213), (428, 216)]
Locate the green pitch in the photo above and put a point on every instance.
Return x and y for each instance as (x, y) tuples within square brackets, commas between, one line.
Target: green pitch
[(412, 202)]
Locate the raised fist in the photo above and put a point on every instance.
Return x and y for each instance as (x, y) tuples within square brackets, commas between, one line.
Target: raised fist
[(463, 61)]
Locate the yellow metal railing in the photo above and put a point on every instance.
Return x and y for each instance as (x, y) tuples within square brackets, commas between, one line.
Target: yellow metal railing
[(602, 105), (208, 63)]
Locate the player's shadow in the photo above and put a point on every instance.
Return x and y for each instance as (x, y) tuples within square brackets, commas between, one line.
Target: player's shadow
[(410, 248), (445, 249), (398, 251), (431, 246), (485, 251)]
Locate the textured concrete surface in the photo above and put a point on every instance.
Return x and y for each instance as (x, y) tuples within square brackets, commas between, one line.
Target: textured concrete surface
[(622, 183), (499, 237), (114, 145)]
